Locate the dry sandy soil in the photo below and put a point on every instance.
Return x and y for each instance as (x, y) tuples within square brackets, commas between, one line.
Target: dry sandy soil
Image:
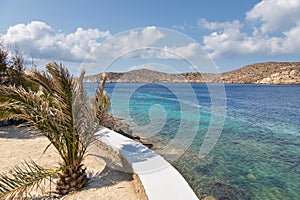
[(105, 169)]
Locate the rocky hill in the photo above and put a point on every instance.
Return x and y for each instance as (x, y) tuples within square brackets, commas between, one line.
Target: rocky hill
[(260, 73), (134, 76), (265, 73)]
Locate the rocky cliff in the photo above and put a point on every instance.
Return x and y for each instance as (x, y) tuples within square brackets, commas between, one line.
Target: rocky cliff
[(260, 73)]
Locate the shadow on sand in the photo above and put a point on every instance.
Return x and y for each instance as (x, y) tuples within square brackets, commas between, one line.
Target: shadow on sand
[(15, 132)]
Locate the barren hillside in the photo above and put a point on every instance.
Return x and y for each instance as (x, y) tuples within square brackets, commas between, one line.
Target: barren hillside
[(260, 73)]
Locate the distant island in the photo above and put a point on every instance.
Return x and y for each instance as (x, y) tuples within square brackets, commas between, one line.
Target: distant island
[(259, 73)]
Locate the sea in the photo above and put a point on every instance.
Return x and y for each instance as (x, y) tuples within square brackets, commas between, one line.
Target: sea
[(229, 141)]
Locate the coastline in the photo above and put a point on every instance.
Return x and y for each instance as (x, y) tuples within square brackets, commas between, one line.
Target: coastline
[(258, 73)]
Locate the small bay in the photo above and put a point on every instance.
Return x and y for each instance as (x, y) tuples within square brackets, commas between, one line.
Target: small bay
[(257, 155)]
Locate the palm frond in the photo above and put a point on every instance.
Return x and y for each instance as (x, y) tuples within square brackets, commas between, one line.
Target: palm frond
[(102, 100), (84, 114), (42, 79), (50, 112), (60, 110), (20, 181), (27, 105)]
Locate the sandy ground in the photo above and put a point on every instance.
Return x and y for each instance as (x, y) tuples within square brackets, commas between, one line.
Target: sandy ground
[(105, 170)]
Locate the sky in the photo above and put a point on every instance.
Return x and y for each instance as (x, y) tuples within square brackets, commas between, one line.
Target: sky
[(172, 36)]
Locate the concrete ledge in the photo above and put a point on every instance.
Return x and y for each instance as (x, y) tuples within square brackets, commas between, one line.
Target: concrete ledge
[(161, 181)]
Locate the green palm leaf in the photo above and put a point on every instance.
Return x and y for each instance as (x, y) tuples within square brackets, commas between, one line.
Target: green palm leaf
[(61, 111), (21, 180)]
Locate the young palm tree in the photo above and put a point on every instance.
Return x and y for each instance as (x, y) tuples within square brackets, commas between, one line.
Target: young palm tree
[(61, 111)]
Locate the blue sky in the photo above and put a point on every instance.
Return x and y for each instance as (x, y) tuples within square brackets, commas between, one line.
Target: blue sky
[(233, 33)]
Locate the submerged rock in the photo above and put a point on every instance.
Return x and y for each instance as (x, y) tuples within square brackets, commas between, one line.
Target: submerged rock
[(222, 191), (252, 176)]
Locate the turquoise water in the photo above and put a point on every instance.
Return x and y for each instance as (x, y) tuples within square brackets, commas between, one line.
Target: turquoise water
[(257, 155)]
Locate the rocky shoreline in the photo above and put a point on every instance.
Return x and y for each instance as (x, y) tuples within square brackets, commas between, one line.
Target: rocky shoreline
[(259, 73), (121, 127)]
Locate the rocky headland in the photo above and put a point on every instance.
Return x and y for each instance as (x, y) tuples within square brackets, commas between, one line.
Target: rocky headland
[(259, 73)]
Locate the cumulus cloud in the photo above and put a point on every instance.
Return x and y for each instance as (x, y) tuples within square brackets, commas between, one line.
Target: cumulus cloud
[(127, 42), (92, 48), (146, 43), (275, 24), (227, 39), (39, 40), (186, 51), (150, 44), (275, 15)]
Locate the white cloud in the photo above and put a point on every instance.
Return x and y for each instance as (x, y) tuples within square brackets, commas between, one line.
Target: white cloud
[(138, 46), (84, 41), (290, 43), (21, 32), (171, 52), (227, 39), (275, 15), (93, 48), (39, 40), (186, 51), (182, 27), (126, 43), (219, 25), (276, 30)]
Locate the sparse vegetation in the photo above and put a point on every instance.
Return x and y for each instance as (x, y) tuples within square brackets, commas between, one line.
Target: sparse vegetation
[(11, 68), (3, 63)]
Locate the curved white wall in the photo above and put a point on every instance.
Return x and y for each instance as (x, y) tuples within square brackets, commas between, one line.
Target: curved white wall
[(161, 181)]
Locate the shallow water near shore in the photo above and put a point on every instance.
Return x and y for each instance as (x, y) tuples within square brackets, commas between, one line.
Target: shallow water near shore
[(258, 153)]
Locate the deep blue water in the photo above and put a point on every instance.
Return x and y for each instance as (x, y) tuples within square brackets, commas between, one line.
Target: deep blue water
[(257, 155)]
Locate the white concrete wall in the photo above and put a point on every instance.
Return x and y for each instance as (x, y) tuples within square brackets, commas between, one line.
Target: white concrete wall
[(161, 181)]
